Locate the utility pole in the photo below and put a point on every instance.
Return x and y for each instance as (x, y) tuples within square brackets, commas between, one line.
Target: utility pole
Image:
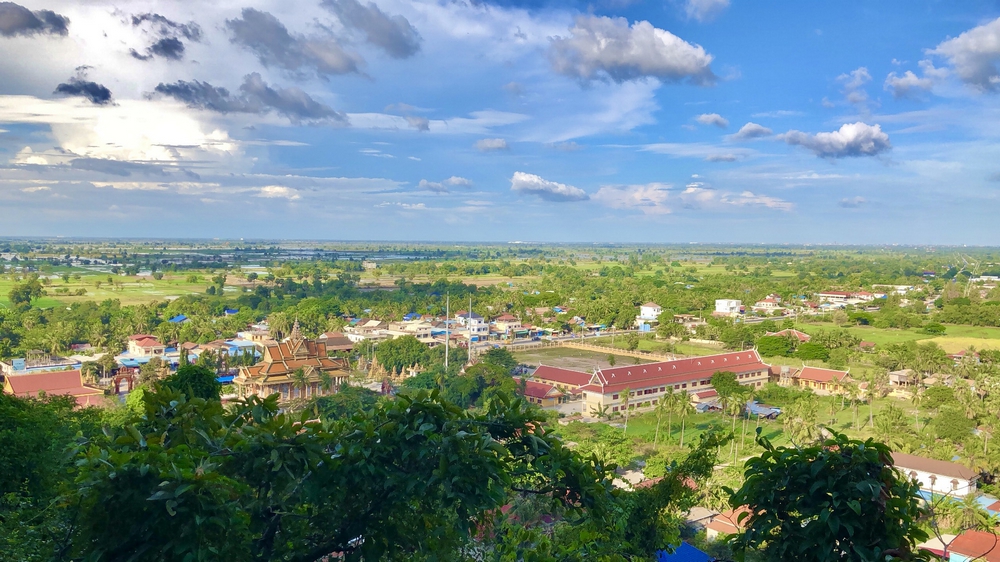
[(447, 331)]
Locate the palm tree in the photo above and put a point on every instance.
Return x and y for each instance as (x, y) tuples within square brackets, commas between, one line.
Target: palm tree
[(300, 381), (279, 324), (684, 408), (599, 412), (325, 382), (664, 405)]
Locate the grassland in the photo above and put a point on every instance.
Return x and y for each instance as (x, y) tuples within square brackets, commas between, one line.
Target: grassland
[(955, 338), (129, 290)]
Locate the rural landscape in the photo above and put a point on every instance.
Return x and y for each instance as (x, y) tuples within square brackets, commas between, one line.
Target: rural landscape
[(898, 347), (499, 281)]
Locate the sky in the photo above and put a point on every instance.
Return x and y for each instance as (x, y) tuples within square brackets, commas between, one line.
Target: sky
[(632, 121)]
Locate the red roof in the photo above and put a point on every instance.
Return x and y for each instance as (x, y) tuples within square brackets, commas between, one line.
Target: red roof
[(650, 304), (728, 522), (818, 374), (677, 371), (978, 545), (801, 336), (140, 337), (58, 383), (506, 318), (707, 394), (563, 376), (540, 390), (148, 342)]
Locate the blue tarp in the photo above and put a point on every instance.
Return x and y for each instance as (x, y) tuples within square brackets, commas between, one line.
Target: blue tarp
[(411, 316), (683, 553), (230, 311), (225, 378), (756, 409), (178, 319)]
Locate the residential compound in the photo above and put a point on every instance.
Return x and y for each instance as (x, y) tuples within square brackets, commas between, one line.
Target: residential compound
[(277, 373), (605, 389)]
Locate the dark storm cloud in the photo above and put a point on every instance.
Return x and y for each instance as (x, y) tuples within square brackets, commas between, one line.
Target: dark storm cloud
[(17, 20), (270, 40), (169, 44), (96, 93), (256, 96), (393, 34)]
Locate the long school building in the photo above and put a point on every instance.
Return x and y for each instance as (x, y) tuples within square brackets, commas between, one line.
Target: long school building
[(648, 383)]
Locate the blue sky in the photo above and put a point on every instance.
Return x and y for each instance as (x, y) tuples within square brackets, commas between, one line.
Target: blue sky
[(615, 121)]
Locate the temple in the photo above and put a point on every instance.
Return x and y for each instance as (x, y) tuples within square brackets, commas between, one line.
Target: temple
[(276, 372)]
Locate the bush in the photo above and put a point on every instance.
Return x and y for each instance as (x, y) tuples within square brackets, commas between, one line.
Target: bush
[(934, 328), (809, 351), (773, 346), (953, 425), (194, 381)]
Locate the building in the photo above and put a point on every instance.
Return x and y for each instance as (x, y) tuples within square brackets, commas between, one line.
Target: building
[(727, 307), (508, 326), (978, 546), (542, 394), (36, 361), (649, 312), (683, 553), (54, 383), (566, 380), (822, 381), (801, 337), (768, 305), (336, 341), (647, 383), (937, 477), (275, 372), (145, 345), (367, 329), (473, 326), (726, 523)]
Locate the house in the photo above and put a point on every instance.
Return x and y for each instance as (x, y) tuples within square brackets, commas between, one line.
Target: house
[(903, 378), (145, 345), (726, 523), (475, 328), (697, 517), (727, 307), (937, 477), (179, 319), (769, 304), (822, 381), (54, 383), (801, 337), (275, 373), (647, 383), (649, 312), (336, 341), (683, 553), (367, 329), (867, 346), (542, 394), (981, 546), (566, 380), (35, 361), (507, 325)]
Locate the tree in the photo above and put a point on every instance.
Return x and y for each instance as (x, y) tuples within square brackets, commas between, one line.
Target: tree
[(194, 480), (726, 384), (400, 353), (632, 341), (152, 370), (21, 294), (300, 381), (611, 359), (890, 425), (812, 351), (194, 381), (626, 394), (684, 409), (845, 495), (347, 401), (951, 423), (773, 346), (665, 405), (500, 357)]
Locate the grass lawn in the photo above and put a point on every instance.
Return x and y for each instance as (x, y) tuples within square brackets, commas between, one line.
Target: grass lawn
[(568, 358), (955, 339), (133, 290)]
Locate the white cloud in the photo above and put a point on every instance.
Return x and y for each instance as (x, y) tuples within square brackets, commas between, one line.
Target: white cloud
[(704, 10), (605, 48), (650, 199), (27, 156), (726, 157), (751, 131), (36, 189), (910, 85), (407, 206), (662, 198), (444, 186), (975, 55), (490, 145), (778, 113), (531, 184), (852, 202), (712, 119), (854, 83), (707, 152), (278, 192), (853, 139)]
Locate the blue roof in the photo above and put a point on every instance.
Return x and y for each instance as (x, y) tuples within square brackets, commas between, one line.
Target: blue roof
[(683, 553), (230, 311), (411, 316), (178, 319), (225, 378)]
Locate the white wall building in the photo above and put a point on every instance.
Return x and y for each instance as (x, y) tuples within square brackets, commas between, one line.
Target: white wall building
[(728, 306), (649, 312), (937, 477)]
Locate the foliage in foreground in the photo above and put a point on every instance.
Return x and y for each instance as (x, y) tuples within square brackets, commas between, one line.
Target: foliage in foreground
[(839, 501)]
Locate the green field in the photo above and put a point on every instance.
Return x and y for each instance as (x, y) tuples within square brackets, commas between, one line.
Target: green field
[(129, 290), (955, 338)]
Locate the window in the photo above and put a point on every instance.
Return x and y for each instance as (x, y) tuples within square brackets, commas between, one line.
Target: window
[(663, 388), (614, 397), (615, 409), (684, 385), (677, 387), (654, 402)]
